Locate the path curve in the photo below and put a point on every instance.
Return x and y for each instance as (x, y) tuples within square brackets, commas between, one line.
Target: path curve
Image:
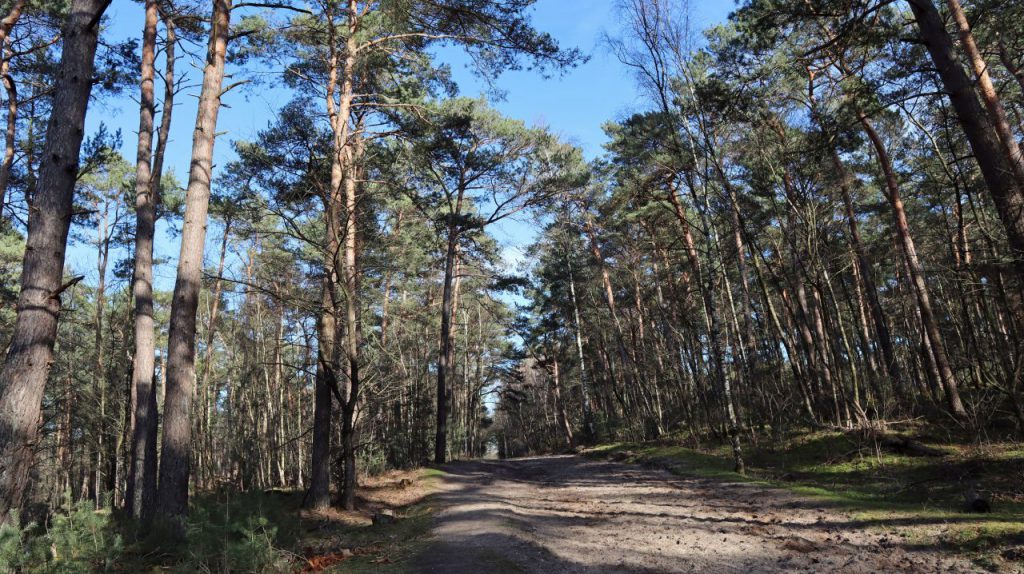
[(563, 514)]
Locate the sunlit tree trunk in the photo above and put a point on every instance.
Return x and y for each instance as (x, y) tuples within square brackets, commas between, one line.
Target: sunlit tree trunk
[(11, 131), (1004, 177), (989, 96), (353, 327), (141, 496), (175, 456)]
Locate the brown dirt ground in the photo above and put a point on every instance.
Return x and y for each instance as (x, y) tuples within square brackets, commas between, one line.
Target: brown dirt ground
[(395, 489), (568, 514)]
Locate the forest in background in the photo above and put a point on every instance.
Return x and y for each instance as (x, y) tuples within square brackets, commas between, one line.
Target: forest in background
[(813, 221)]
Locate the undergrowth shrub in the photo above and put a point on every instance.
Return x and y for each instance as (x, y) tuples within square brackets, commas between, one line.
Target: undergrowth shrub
[(373, 460), (13, 544), (242, 533), (83, 540), (78, 540), (237, 533)]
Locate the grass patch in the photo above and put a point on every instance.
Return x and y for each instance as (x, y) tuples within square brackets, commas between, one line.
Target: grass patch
[(389, 548)]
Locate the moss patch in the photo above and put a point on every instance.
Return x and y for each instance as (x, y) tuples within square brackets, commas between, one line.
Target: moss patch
[(387, 547)]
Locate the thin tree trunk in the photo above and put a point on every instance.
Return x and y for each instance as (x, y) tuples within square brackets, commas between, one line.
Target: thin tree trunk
[(203, 383), (99, 373), (588, 414), (917, 279), (713, 324), (389, 277), (563, 419), (142, 482), (867, 275), (629, 366), (166, 108), (445, 357), (10, 134)]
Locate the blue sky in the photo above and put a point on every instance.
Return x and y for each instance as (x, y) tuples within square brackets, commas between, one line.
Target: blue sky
[(574, 106)]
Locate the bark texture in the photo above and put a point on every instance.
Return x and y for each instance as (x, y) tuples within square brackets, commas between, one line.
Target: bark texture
[(176, 444), (30, 354), (142, 484)]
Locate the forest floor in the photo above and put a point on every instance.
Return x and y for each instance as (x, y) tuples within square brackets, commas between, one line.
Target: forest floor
[(560, 514), (812, 502), (391, 525)]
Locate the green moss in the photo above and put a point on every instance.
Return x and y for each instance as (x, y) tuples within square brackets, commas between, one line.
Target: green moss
[(432, 474)]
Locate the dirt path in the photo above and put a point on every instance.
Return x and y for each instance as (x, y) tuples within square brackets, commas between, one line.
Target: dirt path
[(569, 514)]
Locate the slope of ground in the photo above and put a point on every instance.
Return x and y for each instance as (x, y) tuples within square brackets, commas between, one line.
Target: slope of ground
[(881, 480), (570, 514)]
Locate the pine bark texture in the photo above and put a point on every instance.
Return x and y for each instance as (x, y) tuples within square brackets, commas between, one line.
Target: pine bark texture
[(176, 445), (142, 486), (30, 353)]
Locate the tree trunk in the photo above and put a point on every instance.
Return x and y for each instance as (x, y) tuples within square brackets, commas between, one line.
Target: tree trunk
[(166, 109), (1003, 179), (319, 496), (181, 346), (352, 323), (99, 374), (30, 353), (389, 277), (629, 367), (204, 441), (867, 276), (142, 482), (917, 279), (588, 414), (997, 115), (327, 324), (1008, 63), (713, 324), (563, 419), (10, 133), (446, 352)]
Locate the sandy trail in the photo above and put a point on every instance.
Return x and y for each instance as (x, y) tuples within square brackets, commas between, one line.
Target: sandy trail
[(569, 514)]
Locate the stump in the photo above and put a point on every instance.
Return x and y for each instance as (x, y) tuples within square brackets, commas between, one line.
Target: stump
[(975, 502)]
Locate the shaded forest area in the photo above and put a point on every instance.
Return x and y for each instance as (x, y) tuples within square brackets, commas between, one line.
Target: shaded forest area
[(810, 231)]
